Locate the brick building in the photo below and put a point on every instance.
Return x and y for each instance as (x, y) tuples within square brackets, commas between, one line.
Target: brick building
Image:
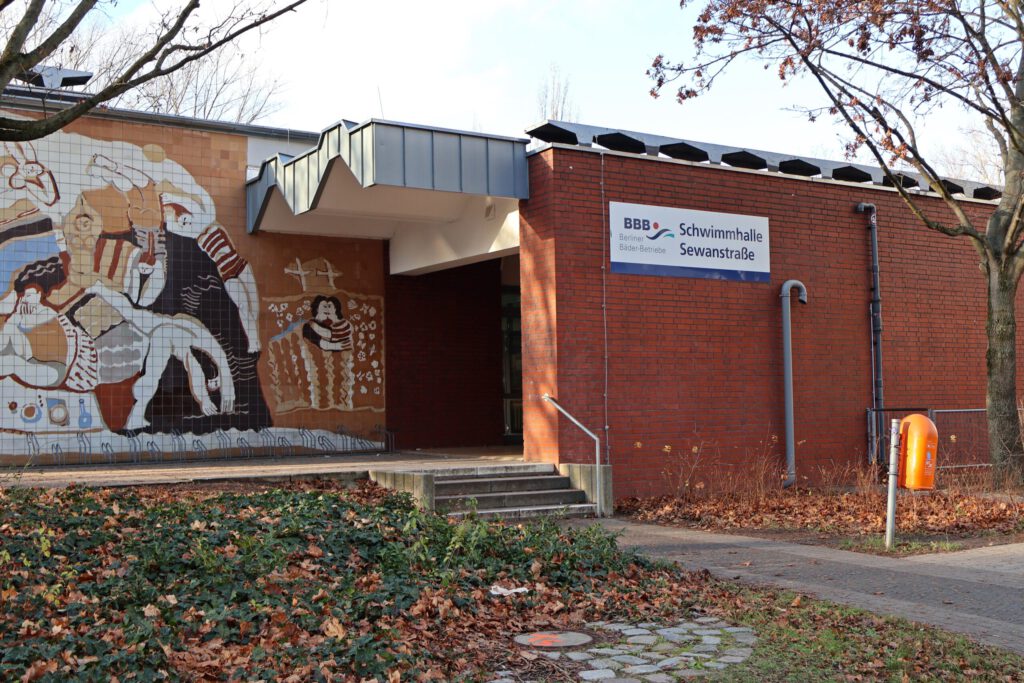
[(181, 288)]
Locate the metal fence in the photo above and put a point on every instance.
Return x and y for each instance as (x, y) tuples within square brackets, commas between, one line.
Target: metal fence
[(878, 431), (963, 435)]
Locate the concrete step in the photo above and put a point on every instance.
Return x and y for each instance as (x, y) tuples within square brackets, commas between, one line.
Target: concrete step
[(521, 499), (576, 510), (516, 470), (472, 486)]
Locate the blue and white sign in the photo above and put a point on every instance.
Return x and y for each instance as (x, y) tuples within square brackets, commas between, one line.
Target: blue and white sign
[(657, 240)]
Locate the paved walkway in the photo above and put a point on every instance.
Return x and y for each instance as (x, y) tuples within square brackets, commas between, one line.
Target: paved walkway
[(979, 592), (270, 469)]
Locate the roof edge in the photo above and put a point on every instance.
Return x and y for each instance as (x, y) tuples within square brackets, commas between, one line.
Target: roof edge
[(871, 186), (43, 99)]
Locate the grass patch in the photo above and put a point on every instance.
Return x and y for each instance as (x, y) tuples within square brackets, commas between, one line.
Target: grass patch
[(811, 640), (901, 547)]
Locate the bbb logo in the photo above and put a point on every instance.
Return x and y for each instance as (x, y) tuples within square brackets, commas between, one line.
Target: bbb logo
[(638, 224), (646, 225)]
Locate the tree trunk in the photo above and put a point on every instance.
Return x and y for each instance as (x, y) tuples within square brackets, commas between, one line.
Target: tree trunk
[(1004, 435)]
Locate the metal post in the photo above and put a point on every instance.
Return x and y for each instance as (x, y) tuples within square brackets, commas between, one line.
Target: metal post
[(894, 465), (787, 374), (875, 311)]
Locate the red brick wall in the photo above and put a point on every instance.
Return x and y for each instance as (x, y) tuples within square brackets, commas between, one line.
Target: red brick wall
[(443, 357), (698, 363), (538, 287)]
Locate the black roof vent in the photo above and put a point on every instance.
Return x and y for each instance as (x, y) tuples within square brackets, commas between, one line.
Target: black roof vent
[(903, 178), (684, 151), (987, 193), (798, 167), (952, 187), (620, 142), (851, 174), (52, 77), (549, 132), (744, 159)]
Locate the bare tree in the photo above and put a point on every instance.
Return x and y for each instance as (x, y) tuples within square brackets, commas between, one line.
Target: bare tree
[(882, 66), (975, 158), (227, 85), (178, 41), (553, 98)]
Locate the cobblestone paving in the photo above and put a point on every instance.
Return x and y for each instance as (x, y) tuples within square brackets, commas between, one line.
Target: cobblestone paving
[(653, 653)]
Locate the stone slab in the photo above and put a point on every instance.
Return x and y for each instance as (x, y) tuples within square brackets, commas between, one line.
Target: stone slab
[(641, 669), (659, 678), (604, 664), (579, 656), (642, 640)]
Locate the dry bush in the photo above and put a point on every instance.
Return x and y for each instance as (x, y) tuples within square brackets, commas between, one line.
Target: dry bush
[(754, 480), (682, 472), (966, 480)]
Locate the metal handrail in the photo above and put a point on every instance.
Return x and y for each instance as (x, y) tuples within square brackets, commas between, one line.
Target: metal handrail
[(597, 451)]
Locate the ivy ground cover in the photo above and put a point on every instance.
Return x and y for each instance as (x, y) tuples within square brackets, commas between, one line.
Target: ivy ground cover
[(289, 585), (320, 584)]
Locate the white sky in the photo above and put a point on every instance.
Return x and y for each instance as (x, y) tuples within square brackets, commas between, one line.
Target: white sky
[(479, 64)]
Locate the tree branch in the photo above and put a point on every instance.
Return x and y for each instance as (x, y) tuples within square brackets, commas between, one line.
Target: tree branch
[(10, 58), (965, 229), (59, 35), (165, 57)]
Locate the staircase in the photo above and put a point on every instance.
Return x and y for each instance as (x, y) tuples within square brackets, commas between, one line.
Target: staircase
[(509, 492)]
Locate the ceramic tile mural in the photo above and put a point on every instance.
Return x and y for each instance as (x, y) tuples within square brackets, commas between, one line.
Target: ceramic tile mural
[(130, 323)]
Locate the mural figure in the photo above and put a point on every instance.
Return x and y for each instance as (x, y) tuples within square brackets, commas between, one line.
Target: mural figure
[(25, 175), (184, 216), (41, 348), (328, 329), (153, 207)]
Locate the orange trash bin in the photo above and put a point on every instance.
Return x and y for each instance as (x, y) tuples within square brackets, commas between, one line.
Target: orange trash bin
[(919, 444)]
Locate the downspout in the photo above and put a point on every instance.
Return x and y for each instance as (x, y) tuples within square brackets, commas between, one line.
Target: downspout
[(787, 372), (875, 308)]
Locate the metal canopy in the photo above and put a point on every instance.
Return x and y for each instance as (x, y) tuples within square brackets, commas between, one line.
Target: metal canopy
[(397, 155), (620, 140)]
